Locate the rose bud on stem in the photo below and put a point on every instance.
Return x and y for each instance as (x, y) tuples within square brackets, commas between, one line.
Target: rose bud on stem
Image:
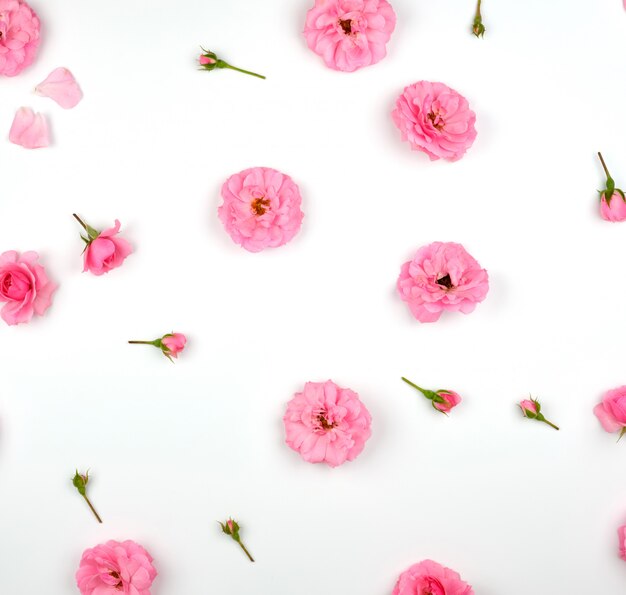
[(80, 483), (478, 29), (230, 527), (612, 199), (209, 61), (170, 345), (442, 400), (532, 410)]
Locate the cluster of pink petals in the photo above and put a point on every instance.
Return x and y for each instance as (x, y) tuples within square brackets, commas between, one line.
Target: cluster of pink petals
[(621, 532), (326, 423), (261, 208), (114, 568), (106, 252), (612, 410), (442, 276), (61, 86), (435, 119), (174, 343), (613, 209), (431, 578), (19, 36), (24, 287), (349, 34), (29, 130)]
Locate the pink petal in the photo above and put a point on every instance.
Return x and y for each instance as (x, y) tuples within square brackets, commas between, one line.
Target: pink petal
[(29, 130), (61, 86)]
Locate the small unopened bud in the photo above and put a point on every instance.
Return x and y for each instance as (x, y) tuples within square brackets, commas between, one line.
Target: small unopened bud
[(230, 527)]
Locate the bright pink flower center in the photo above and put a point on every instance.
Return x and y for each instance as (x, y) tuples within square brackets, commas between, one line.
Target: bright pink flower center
[(429, 585), (14, 286)]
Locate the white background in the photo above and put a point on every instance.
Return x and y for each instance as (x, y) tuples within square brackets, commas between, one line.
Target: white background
[(511, 504)]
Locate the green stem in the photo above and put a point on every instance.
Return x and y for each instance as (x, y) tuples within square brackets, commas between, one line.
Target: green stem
[(606, 170), (227, 65), (243, 547), (419, 388), (143, 343), (478, 15), (544, 420), (92, 508), (80, 221)]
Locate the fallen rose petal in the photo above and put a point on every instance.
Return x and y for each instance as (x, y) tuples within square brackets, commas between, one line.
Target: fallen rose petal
[(29, 130), (61, 86)]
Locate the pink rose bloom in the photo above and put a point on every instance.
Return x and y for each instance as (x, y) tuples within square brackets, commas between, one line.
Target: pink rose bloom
[(442, 276), (435, 119), (621, 532), (349, 34), (106, 252), (24, 286), (613, 209), (19, 36), (450, 398), (430, 578), (327, 424), (612, 410), (29, 130), (261, 208), (173, 344), (529, 408), (114, 568), (61, 86)]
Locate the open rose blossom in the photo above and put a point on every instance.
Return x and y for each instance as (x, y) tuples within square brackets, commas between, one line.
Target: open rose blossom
[(431, 578), (612, 410), (442, 276), (435, 119), (349, 34), (261, 208), (612, 199), (19, 36), (61, 86), (24, 286), (114, 568), (326, 423), (29, 130), (621, 532)]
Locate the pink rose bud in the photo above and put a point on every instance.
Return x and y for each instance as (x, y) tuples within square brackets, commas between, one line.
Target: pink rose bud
[(80, 483), (104, 251), (611, 412), (206, 59), (621, 532), (532, 410), (442, 400), (209, 61), (170, 345), (612, 199), (230, 527)]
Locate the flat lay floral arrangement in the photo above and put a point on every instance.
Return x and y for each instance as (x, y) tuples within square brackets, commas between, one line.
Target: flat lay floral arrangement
[(263, 211)]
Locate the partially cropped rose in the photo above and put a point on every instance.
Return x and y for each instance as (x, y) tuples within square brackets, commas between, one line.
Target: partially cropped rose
[(19, 36), (442, 400), (431, 578), (442, 276), (326, 423), (104, 250), (621, 532), (612, 199), (261, 208), (114, 568), (435, 119), (611, 412), (24, 287), (349, 34)]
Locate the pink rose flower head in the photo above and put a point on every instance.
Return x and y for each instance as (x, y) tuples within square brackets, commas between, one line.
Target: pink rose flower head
[(326, 423), (19, 36), (61, 86), (611, 412), (435, 119), (431, 578), (612, 199), (442, 276), (115, 567), (170, 345), (24, 287), (104, 250), (261, 208), (29, 130), (532, 410), (621, 532), (442, 400), (349, 34)]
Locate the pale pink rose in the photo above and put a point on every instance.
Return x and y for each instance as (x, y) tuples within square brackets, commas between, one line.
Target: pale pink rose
[(612, 410), (115, 568), (29, 130), (451, 400), (431, 578), (349, 34), (442, 276), (24, 286), (614, 209), (529, 408), (106, 252), (19, 36), (61, 86), (173, 344), (621, 532), (261, 208), (435, 119), (326, 423)]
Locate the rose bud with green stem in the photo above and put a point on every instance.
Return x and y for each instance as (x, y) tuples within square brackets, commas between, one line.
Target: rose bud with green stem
[(80, 483), (230, 527), (209, 61)]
